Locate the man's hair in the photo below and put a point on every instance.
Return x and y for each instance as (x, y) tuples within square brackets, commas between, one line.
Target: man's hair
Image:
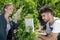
[(45, 8)]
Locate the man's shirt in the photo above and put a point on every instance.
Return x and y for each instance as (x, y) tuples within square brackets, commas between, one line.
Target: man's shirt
[(55, 26)]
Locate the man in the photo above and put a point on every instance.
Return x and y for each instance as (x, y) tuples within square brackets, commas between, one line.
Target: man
[(52, 23)]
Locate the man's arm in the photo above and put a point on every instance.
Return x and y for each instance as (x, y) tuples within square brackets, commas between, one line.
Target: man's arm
[(52, 37)]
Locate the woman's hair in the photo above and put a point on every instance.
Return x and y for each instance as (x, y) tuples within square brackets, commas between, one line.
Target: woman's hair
[(6, 6)]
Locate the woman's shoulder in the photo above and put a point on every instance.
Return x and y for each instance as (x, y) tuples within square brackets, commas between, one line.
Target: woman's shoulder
[(0, 16)]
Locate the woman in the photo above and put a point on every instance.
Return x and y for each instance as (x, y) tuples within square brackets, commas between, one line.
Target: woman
[(7, 25)]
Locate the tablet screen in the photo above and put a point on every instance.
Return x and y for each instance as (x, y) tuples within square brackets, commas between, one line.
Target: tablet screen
[(29, 23)]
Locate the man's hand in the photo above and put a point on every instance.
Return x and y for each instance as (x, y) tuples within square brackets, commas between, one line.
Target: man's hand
[(52, 37), (39, 30)]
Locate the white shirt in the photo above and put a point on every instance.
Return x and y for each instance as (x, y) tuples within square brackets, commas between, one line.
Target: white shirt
[(55, 25), (8, 28)]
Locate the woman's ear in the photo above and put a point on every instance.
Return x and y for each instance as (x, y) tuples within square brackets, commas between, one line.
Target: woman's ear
[(5, 9)]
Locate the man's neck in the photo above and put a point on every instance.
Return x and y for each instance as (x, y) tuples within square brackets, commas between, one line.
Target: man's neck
[(51, 21)]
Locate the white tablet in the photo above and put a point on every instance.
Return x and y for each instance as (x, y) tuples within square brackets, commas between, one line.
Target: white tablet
[(29, 23)]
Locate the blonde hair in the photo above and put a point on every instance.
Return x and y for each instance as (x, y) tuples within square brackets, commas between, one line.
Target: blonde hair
[(6, 6)]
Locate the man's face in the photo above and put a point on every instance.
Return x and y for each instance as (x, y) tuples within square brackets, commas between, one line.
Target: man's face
[(45, 16)]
